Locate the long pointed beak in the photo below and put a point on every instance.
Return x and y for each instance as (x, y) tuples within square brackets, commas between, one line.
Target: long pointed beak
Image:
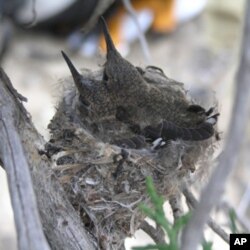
[(109, 42), (75, 74)]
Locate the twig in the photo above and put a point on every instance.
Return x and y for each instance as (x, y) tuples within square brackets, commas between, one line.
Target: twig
[(176, 206), (6, 36), (34, 16), (142, 38), (156, 234), (243, 221), (214, 226), (128, 206), (217, 229), (244, 202), (100, 8), (212, 193)]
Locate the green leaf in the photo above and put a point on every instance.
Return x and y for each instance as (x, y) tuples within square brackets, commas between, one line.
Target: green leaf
[(233, 218), (207, 245), (158, 246), (155, 198), (147, 211), (156, 213), (181, 222), (146, 247)]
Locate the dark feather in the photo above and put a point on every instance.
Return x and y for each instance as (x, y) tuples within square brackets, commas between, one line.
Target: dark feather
[(169, 131), (136, 142), (196, 109)]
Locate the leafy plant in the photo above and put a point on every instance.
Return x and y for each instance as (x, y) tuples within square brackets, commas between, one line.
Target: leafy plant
[(157, 214), (233, 219)]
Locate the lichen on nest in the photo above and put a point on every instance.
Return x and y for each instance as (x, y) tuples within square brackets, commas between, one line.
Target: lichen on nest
[(115, 127)]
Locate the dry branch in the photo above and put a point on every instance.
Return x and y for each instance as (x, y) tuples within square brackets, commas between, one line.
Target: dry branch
[(157, 234), (29, 228), (212, 193), (192, 201), (176, 206), (19, 152), (143, 41), (100, 8)]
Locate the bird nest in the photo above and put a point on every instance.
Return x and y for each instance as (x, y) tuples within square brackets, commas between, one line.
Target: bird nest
[(107, 138)]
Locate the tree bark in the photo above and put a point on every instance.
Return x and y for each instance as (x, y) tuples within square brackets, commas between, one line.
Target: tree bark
[(29, 176)]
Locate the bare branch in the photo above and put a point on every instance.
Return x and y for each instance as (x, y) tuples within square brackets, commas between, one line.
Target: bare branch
[(241, 219), (142, 38), (214, 226), (19, 151), (157, 234), (100, 8), (29, 228), (176, 205)]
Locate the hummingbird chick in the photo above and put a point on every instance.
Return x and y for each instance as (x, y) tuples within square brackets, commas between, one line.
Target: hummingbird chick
[(144, 103), (92, 93)]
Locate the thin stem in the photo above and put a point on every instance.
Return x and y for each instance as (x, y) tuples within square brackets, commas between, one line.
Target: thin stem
[(143, 41)]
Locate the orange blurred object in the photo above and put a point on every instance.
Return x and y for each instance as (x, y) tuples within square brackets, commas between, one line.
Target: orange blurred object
[(163, 18)]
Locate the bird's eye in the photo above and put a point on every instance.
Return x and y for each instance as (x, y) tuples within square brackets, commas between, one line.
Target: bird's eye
[(105, 76), (83, 101), (121, 114), (83, 106)]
